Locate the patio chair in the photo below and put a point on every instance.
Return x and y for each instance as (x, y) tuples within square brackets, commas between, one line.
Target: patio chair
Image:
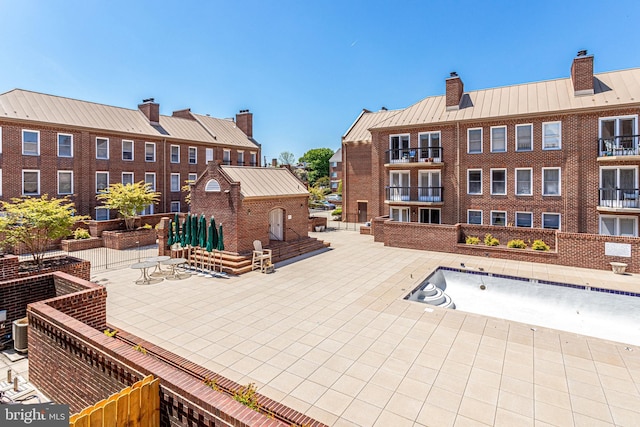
[(260, 256)]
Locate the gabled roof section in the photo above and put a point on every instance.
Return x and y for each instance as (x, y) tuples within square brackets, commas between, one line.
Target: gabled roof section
[(359, 130), (33, 106), (225, 131), (613, 88), (337, 156), (265, 182)]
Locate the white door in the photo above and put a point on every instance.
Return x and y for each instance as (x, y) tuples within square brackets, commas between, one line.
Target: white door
[(276, 217)]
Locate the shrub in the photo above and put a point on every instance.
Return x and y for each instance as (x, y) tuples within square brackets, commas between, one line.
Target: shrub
[(539, 245), (489, 240), (147, 227), (517, 244), (81, 234), (337, 212), (472, 240)]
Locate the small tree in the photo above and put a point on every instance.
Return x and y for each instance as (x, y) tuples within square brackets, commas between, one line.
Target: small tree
[(128, 199), (187, 189), (37, 222), (286, 158)]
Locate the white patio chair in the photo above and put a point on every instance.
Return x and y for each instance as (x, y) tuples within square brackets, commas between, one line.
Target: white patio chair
[(260, 255)]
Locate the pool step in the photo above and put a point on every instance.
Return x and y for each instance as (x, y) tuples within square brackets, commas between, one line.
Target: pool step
[(432, 295)]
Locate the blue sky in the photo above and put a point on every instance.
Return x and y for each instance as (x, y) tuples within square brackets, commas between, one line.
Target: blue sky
[(305, 69)]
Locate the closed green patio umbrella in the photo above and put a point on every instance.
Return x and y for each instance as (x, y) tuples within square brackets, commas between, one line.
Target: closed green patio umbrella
[(212, 236), (194, 230), (170, 238), (186, 231), (176, 231), (220, 239), (202, 231)]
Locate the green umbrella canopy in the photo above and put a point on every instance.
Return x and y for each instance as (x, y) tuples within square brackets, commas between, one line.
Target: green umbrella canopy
[(202, 231), (170, 239), (212, 231), (176, 221), (194, 230), (220, 239), (186, 235)]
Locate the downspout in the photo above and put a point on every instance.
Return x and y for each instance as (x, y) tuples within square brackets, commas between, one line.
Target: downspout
[(458, 172), (164, 173)]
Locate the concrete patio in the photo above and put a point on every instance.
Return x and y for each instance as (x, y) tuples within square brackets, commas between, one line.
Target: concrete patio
[(331, 336)]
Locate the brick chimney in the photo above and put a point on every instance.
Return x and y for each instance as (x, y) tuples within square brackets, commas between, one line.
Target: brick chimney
[(582, 74), (184, 114), (151, 110), (244, 121), (455, 89)]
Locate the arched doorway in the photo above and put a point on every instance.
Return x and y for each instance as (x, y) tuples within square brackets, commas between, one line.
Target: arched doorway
[(276, 224)]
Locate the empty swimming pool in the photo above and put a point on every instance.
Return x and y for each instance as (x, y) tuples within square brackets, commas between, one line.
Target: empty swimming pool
[(596, 312)]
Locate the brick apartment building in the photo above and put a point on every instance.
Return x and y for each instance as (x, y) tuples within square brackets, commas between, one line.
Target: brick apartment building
[(67, 147), (335, 169), (560, 154)]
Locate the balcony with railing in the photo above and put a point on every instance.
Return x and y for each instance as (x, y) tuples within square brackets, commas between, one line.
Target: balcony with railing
[(417, 195), (618, 146), (624, 199), (414, 155)]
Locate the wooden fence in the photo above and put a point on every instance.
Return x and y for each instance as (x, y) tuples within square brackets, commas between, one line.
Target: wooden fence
[(138, 405)]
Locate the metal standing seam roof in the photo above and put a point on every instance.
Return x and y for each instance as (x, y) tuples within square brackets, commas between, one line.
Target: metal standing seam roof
[(226, 130), (359, 130), (265, 182), (611, 89), (337, 156), (26, 105)]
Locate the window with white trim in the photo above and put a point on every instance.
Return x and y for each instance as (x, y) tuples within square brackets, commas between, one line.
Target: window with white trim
[(102, 148), (30, 182), (175, 206), (149, 178), (499, 182), (127, 178), (65, 145), (226, 157), (551, 181), (175, 182), (127, 150), (551, 136), (551, 220), (498, 218), (430, 148), (474, 181), (474, 141), (149, 151), (241, 158), (192, 177), (618, 135), (498, 139), (524, 219), (474, 217), (524, 137), (429, 186), (619, 187), (618, 225), (175, 154), (65, 182), (102, 214), (102, 181), (193, 155), (208, 155), (254, 159), (399, 214), (399, 185), (524, 177), (398, 148), (30, 142), (429, 215)]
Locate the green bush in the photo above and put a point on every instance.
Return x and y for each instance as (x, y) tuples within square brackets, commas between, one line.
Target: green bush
[(517, 244), (472, 240), (81, 234), (539, 245), (147, 227), (337, 212), (489, 240)]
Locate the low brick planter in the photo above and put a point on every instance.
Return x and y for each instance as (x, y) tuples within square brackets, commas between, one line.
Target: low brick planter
[(129, 239), (72, 245), (317, 221)]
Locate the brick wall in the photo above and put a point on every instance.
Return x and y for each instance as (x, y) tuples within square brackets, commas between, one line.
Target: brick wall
[(72, 245), (571, 249), (80, 268), (17, 293), (97, 227), (129, 239), (357, 180)]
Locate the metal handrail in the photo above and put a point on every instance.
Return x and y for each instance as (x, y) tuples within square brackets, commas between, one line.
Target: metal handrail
[(412, 155), (619, 197), (621, 145), (421, 194)]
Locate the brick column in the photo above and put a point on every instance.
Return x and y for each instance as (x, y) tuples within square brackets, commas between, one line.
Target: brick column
[(163, 227), (9, 265)]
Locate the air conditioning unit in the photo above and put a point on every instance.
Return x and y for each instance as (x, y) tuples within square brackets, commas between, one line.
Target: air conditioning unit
[(20, 335)]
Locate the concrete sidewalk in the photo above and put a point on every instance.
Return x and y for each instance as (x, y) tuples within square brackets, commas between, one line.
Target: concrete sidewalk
[(332, 337)]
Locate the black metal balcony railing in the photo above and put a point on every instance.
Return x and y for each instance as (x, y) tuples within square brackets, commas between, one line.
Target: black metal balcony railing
[(226, 162), (240, 163), (254, 164), (624, 145), (412, 155), (414, 194), (619, 198)]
